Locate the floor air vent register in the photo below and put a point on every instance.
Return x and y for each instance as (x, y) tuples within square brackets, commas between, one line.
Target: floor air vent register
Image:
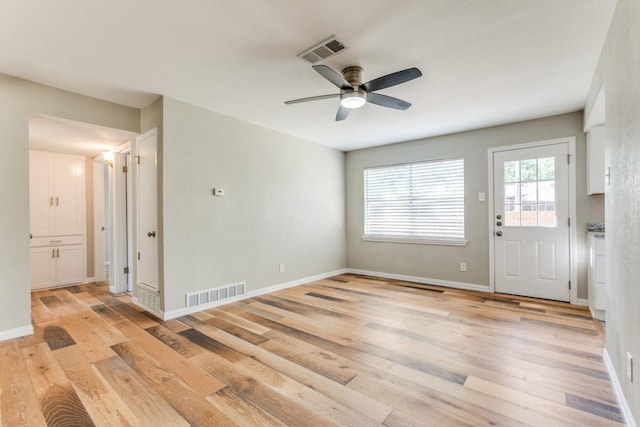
[(215, 295)]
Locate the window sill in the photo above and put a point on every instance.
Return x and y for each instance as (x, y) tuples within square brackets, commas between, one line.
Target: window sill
[(415, 240)]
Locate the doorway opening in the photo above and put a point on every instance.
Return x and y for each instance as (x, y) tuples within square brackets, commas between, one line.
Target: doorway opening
[(71, 193)]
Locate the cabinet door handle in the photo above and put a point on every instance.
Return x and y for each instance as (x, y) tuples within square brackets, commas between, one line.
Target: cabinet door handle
[(53, 253), (51, 201), (57, 253), (57, 201)]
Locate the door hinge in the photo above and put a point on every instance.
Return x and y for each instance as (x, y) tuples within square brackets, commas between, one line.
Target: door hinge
[(126, 270), (569, 284), (125, 169), (138, 159), (138, 256), (568, 159)]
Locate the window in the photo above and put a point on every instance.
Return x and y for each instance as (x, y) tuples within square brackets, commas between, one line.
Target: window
[(415, 202), (530, 193)]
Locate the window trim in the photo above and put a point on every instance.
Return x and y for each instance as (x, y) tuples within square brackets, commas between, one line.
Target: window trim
[(410, 239)]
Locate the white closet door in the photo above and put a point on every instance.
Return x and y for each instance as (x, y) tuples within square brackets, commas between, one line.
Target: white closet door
[(41, 194), (69, 195)]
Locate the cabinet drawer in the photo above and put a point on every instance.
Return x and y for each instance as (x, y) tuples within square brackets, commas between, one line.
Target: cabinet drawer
[(37, 242)]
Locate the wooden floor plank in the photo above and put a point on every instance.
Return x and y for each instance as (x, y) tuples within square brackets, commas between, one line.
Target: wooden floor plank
[(145, 403), (102, 402), (346, 350)]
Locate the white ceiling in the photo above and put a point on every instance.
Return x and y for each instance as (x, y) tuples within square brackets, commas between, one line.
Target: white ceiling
[(485, 62), (71, 137)]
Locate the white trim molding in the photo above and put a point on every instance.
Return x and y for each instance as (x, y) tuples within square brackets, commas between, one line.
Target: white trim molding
[(172, 314), (624, 405), (422, 280), (581, 301), (22, 331)]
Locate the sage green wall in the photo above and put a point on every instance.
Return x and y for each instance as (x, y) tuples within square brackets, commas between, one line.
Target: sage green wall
[(284, 203), (619, 70), (18, 99), (442, 262)]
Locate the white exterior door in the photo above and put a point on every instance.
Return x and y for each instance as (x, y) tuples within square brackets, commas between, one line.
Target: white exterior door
[(531, 218), (147, 210)]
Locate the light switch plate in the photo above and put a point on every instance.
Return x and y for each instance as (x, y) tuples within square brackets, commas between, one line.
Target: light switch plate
[(481, 196), (218, 192)]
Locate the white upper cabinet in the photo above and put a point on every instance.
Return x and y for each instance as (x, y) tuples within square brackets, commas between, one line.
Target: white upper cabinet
[(57, 194), (596, 160)]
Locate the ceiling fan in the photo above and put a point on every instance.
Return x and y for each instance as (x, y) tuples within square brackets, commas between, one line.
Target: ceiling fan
[(354, 94)]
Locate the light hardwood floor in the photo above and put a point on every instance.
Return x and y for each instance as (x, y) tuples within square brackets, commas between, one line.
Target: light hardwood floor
[(350, 350)]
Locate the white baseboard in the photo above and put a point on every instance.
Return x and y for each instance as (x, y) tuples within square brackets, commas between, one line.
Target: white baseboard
[(423, 280), (624, 405), (16, 332), (172, 314), (580, 301)]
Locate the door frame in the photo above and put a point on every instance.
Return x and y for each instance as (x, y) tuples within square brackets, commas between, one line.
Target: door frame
[(119, 215), (99, 230), (573, 260)]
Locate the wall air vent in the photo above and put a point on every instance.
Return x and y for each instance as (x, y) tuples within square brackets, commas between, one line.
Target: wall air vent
[(323, 50), (215, 296)]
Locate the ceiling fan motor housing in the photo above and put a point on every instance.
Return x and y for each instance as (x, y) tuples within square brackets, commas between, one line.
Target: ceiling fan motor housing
[(353, 75)]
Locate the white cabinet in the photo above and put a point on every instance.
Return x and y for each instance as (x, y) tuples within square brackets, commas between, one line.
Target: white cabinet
[(595, 160), (596, 276), (57, 219), (57, 194), (56, 266)]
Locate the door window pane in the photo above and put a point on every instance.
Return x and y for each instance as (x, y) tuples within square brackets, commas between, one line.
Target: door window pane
[(512, 215), (546, 168), (511, 194), (529, 192), (547, 214), (528, 170), (546, 191), (529, 215), (512, 171)]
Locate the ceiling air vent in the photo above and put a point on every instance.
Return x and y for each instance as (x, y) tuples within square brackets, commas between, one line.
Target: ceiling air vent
[(323, 50)]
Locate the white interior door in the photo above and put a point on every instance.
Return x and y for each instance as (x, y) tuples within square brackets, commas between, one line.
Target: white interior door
[(531, 217), (147, 210)]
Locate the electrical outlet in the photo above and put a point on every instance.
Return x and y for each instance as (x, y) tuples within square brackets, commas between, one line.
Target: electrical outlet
[(281, 268), (630, 367), (463, 266)]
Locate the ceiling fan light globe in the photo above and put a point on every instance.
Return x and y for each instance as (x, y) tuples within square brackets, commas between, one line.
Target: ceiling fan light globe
[(355, 99)]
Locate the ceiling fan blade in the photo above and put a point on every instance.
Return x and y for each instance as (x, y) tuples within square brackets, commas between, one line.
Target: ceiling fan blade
[(312, 98), (387, 101), (342, 113), (333, 76), (391, 79)]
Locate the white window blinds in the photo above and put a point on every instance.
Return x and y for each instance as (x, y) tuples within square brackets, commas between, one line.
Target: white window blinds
[(415, 201)]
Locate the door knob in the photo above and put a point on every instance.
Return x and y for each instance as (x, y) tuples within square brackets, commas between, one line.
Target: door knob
[(151, 234), (498, 233), (498, 216), (499, 223)]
